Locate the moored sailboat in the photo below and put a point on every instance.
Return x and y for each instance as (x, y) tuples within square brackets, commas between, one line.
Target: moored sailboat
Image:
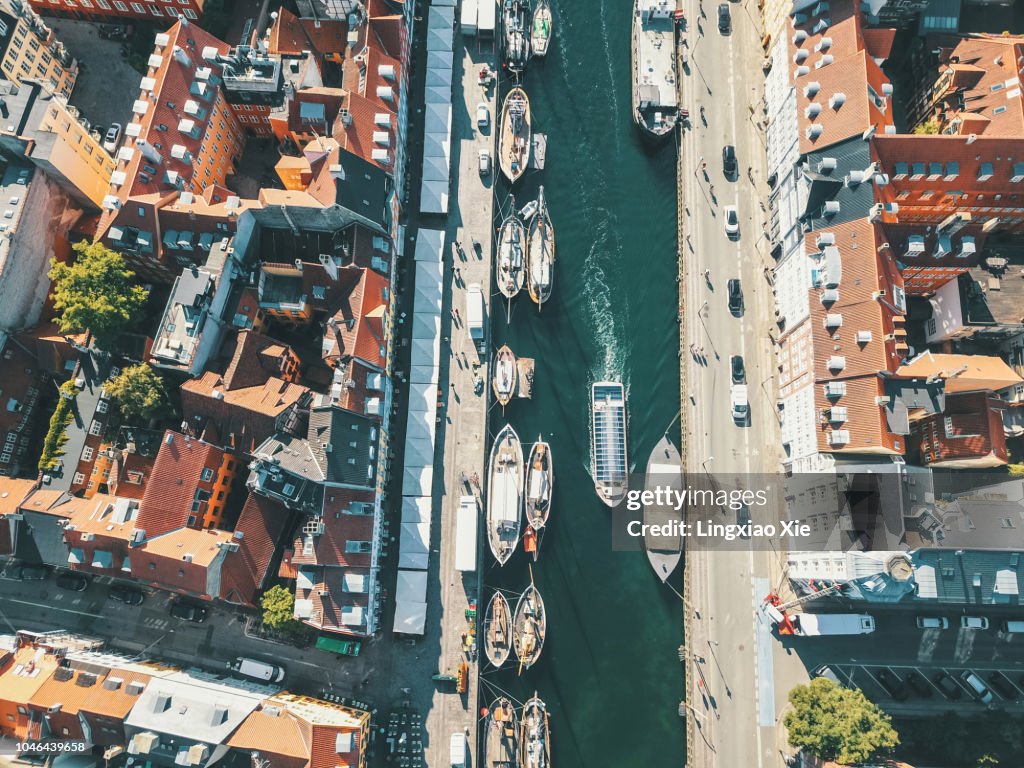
[(540, 481), (515, 137), (540, 30), (498, 630), (515, 21), (505, 376), (529, 627), (504, 494), (535, 739), (540, 253), (501, 737), (664, 470), (511, 256)]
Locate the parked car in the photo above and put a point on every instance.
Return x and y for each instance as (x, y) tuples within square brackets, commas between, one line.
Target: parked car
[(743, 518), (892, 684), (724, 19), (189, 611), (127, 595), (735, 297), (729, 161), (932, 622), (1002, 686), (485, 163), (33, 572), (731, 218), (74, 582), (947, 685), (976, 687), (257, 670), (483, 115), (974, 622), (739, 373), (112, 136), (828, 672), (919, 685)]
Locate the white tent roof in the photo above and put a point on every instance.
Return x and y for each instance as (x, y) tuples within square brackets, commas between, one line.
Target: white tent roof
[(437, 95), (416, 560), (420, 427), (440, 39), (417, 481), (426, 325), (423, 398), (435, 169), (411, 587), (438, 118), (436, 145), (429, 271), (428, 296), (434, 197), (440, 16), (419, 453), (415, 537), (410, 618), (440, 60), (416, 509), (426, 352), (423, 374), (439, 76), (429, 245)]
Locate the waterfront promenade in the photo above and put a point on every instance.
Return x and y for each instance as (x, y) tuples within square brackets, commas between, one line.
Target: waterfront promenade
[(462, 430), (736, 680)]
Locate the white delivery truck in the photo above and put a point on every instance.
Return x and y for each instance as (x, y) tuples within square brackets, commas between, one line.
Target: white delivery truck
[(815, 624), (458, 748), (257, 670), (465, 534), (475, 314)]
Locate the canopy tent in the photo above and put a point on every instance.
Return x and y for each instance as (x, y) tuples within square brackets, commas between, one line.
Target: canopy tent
[(440, 77), (419, 453), (423, 398), (410, 618), (416, 509), (417, 481), (417, 560), (423, 374), (421, 427), (436, 95), (411, 587), (439, 39), (436, 145), (441, 17), (438, 118), (440, 60), (434, 197), (428, 273), (435, 169), (426, 325), (415, 538), (428, 297), (426, 352), (429, 245)]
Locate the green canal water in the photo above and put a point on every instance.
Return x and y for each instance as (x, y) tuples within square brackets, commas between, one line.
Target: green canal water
[(609, 670)]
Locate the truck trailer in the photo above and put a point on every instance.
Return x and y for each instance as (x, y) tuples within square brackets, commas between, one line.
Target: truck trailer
[(814, 624)]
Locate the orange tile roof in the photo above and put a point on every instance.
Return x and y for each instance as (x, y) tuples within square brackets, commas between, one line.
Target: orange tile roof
[(162, 561), (962, 373), (275, 731), (30, 670), (116, 702), (71, 694), (983, 75), (879, 42), (13, 491), (177, 477)]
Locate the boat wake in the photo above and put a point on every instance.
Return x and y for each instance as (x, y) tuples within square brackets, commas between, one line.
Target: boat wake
[(604, 14), (605, 319)]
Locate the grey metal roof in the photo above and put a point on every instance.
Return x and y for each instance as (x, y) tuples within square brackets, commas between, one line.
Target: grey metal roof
[(907, 395), (969, 576), (93, 370), (855, 201), (40, 539), (342, 442)]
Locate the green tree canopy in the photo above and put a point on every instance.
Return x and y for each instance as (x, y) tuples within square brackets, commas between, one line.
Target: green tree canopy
[(837, 723), (278, 606), (95, 293), (140, 392)]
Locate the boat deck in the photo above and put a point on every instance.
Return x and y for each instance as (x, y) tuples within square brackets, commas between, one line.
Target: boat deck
[(526, 366), (609, 434), (655, 42)]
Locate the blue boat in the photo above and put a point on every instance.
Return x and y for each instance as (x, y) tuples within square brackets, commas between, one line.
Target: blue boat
[(608, 438)]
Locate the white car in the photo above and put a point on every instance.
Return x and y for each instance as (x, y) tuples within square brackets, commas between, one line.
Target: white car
[(483, 115), (732, 221), (485, 163), (112, 137), (974, 622), (932, 622)]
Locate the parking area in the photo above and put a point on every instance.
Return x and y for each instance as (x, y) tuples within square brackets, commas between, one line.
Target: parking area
[(107, 86)]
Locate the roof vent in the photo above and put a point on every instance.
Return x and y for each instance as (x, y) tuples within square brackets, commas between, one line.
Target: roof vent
[(181, 57), (802, 70), (831, 207), (829, 296), (814, 131), (855, 178), (801, 55), (824, 61), (836, 363), (383, 119), (811, 89), (824, 44), (812, 110), (799, 36), (887, 89), (839, 437), (825, 238), (385, 93), (827, 165), (387, 71), (837, 100), (837, 414), (863, 337), (833, 321)]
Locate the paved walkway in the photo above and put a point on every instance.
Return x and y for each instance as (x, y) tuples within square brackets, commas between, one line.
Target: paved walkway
[(464, 415)]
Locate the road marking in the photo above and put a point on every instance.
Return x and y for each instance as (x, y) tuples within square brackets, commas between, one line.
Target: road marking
[(51, 607)]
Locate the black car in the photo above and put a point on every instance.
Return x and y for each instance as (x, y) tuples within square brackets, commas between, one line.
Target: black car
[(919, 685), (1003, 686), (74, 582), (892, 684), (735, 297), (739, 373), (947, 686), (194, 612), (33, 572), (729, 161), (127, 595), (724, 18)]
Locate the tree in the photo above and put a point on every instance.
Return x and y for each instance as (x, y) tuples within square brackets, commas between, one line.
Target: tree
[(140, 393), (95, 293), (837, 723), (278, 606), (927, 128)]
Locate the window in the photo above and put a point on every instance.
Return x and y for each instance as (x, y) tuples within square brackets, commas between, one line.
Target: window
[(120, 6), (997, 87), (96, 427), (87, 453), (155, 10), (78, 479), (141, 212), (172, 11), (190, 14), (207, 474), (103, 4), (931, 326), (102, 406), (138, 8), (927, 195), (998, 110)]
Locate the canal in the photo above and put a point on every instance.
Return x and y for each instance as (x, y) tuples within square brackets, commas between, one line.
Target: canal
[(609, 670)]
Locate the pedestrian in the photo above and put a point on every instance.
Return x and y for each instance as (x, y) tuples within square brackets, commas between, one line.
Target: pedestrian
[(457, 314)]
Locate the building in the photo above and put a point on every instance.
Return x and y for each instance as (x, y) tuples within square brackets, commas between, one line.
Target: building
[(120, 11), (19, 396), (184, 138), (54, 137), (25, 674), (29, 49), (254, 85)]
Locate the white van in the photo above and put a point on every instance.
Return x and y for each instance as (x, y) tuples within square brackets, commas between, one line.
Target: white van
[(257, 670), (977, 688), (458, 747)]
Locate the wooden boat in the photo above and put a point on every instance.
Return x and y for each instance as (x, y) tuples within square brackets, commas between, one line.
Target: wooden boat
[(664, 470), (501, 736), (608, 441), (511, 255), (498, 630), (514, 21), (540, 254), (515, 137), (540, 30), (531, 542), (529, 627), (535, 738), (540, 481), (504, 494), (505, 376)]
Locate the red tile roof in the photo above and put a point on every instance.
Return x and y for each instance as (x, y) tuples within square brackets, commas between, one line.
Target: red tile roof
[(879, 42), (962, 373), (339, 528), (364, 337), (969, 433), (177, 478), (983, 76), (259, 527), (276, 734)]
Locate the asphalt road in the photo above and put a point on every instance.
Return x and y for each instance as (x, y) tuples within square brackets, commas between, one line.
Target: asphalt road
[(740, 674)]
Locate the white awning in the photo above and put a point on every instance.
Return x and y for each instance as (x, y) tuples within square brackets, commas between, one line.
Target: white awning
[(416, 509), (926, 587), (410, 618), (417, 481), (411, 587)]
